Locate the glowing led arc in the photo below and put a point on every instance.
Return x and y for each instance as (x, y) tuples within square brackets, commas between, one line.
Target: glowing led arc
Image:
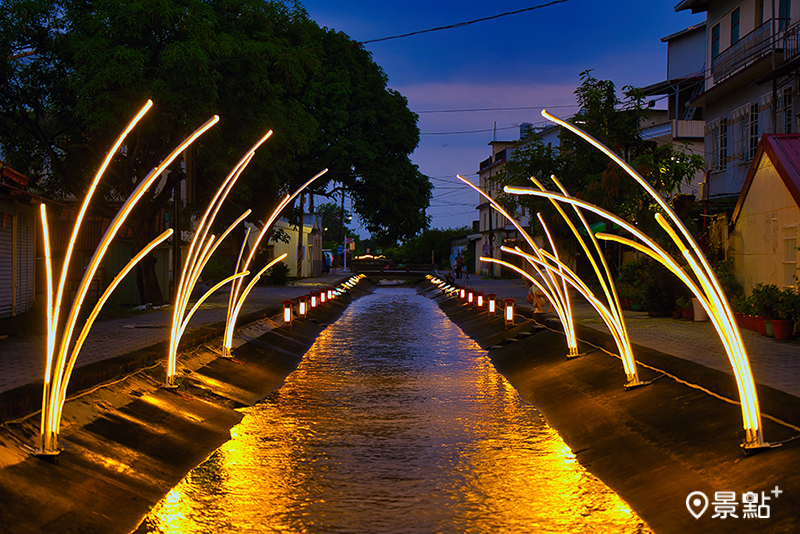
[(50, 324), (202, 299), (751, 413), (563, 293), (253, 282), (237, 268), (235, 290), (62, 378), (82, 212), (110, 289)]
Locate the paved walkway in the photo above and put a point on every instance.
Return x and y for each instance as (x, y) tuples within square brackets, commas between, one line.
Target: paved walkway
[(774, 363), (22, 358)]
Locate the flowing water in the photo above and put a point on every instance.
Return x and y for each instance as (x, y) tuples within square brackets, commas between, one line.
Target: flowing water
[(395, 421)]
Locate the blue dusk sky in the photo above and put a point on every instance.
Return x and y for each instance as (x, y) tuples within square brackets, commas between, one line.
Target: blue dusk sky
[(525, 60)]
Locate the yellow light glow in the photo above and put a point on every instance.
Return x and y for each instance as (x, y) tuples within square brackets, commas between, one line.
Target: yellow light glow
[(492, 306), (63, 365), (313, 301), (509, 311), (302, 308), (480, 300), (470, 296), (287, 314)]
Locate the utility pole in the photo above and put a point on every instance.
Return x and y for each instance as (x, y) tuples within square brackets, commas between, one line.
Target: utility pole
[(344, 244)]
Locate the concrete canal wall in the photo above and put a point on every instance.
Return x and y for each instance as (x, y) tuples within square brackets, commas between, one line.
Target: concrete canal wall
[(126, 444), (653, 445)]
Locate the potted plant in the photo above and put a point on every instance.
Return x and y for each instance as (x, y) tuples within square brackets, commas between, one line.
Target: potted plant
[(765, 303), (787, 313), (685, 306)]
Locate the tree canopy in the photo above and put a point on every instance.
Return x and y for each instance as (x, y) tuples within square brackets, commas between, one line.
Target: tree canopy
[(73, 72)]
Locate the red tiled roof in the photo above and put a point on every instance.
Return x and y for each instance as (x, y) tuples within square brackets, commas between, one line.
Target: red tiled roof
[(783, 151), (14, 176)]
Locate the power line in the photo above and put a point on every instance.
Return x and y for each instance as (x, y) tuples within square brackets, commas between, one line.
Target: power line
[(467, 23), (494, 109), (470, 131)]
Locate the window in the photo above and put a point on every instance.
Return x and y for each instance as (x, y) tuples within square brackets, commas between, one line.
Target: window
[(717, 132), (715, 41), (752, 132), (789, 255), (786, 111), (722, 147), (784, 13), (735, 26), (759, 13)]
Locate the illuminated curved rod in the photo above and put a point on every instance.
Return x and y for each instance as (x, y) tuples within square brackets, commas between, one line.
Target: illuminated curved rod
[(202, 299), (61, 377), (606, 282), (110, 289), (48, 266), (721, 315), (237, 268), (553, 291), (82, 212), (623, 342), (230, 326), (569, 326), (191, 273), (253, 282)]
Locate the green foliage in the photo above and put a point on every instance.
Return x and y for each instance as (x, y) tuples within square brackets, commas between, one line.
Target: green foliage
[(765, 300), (734, 291), (588, 174), (788, 305), (73, 73), (279, 274), (418, 249)]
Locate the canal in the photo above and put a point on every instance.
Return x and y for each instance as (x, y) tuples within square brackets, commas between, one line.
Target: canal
[(394, 421)]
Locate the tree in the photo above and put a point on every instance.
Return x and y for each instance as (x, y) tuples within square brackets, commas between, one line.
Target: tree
[(72, 72), (332, 222)]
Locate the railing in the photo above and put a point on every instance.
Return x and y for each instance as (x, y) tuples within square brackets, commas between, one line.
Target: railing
[(791, 42), (748, 49)]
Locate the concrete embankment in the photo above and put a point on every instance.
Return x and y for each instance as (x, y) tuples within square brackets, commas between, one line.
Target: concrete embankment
[(653, 445), (126, 444)]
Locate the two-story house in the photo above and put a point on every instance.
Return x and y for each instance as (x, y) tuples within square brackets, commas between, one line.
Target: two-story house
[(750, 83)]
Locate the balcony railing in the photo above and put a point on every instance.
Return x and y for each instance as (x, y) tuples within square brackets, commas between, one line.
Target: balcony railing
[(791, 42), (748, 49)]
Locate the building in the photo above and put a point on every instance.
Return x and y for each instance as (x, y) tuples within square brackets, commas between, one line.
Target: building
[(681, 125), (764, 236), (304, 248), (18, 220), (750, 79), (493, 227)]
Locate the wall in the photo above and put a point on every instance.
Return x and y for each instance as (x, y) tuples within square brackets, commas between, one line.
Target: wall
[(757, 238)]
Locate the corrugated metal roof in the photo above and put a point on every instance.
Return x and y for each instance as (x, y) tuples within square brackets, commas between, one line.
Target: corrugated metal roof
[(690, 29), (783, 151)]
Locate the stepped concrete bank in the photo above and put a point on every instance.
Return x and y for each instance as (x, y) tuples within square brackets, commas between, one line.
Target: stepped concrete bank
[(126, 444), (653, 445)]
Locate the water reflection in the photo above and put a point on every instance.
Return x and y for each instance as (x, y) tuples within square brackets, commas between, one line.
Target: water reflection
[(394, 422)]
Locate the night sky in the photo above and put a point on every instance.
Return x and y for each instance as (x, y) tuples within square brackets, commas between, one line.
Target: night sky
[(524, 60)]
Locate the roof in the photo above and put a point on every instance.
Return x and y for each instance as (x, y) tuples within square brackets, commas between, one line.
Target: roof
[(700, 26), (783, 151), (667, 87), (697, 6), (11, 174)]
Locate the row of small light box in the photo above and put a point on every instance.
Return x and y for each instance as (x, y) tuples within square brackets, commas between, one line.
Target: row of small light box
[(477, 299), (316, 299)]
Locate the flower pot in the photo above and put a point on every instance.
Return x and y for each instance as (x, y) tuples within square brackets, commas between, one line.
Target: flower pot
[(768, 328), (751, 322), (677, 314), (761, 327), (783, 328), (699, 312), (687, 313), (741, 320)]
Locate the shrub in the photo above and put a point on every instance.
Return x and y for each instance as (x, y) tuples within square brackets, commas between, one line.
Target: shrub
[(279, 274)]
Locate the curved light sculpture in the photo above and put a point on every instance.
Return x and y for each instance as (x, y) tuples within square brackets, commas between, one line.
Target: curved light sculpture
[(704, 286), (237, 298), (556, 293), (200, 251), (60, 360)]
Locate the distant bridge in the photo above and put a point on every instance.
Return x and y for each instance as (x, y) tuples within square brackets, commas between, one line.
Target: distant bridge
[(377, 269)]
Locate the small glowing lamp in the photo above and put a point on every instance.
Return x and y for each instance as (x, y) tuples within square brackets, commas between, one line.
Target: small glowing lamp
[(287, 312), (302, 306), (491, 299), (314, 300), (479, 300), (330, 293), (509, 312), (462, 293), (323, 297), (470, 296)]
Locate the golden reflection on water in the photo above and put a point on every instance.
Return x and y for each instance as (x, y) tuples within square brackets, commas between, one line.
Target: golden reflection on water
[(395, 421)]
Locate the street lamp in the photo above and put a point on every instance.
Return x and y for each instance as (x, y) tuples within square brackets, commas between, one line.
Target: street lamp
[(287, 312), (492, 304), (509, 312), (302, 306)]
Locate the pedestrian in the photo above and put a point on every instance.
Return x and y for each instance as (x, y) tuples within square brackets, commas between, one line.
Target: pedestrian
[(459, 265)]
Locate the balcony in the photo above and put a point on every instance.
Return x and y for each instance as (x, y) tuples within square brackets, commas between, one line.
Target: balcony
[(676, 129), (750, 48)]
